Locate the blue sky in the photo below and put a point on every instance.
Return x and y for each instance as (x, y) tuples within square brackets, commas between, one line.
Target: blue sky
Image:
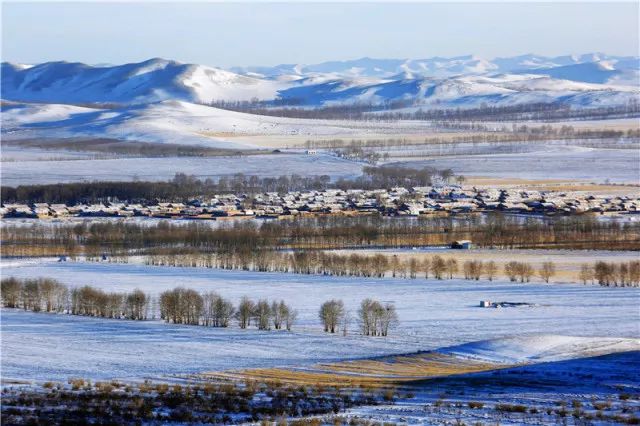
[(227, 34)]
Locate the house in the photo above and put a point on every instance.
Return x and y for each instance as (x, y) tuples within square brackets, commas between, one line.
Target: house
[(311, 152), (461, 244)]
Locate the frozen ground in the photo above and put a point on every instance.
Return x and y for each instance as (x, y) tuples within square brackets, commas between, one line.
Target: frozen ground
[(154, 169), (432, 315), (11, 154), (569, 392), (548, 162), (542, 162)]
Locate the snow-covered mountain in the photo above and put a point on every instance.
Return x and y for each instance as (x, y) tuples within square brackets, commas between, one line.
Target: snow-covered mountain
[(467, 81), (441, 67), (149, 81)]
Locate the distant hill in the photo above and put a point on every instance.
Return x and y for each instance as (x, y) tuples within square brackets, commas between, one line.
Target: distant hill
[(459, 82)]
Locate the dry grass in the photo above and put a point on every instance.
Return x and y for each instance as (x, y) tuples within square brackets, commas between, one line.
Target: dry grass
[(567, 262), (365, 373), (552, 185)]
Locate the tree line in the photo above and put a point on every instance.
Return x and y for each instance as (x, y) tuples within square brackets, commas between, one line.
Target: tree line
[(315, 262), (186, 306), (250, 239), (127, 148), (611, 274), (49, 295), (540, 111), (487, 134), (374, 318), (183, 187), (177, 306)]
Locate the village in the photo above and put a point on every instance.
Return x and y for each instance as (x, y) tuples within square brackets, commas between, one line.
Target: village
[(399, 201)]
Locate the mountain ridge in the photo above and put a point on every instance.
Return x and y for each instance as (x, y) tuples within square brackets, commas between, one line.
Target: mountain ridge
[(463, 81)]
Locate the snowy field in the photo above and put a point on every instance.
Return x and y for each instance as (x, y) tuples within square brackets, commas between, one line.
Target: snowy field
[(569, 392), (549, 162), (545, 162), (155, 169), (432, 315), (11, 154)]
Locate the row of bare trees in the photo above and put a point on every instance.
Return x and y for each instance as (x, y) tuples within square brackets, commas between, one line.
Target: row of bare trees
[(248, 240), (97, 303), (314, 262), (187, 306), (38, 294), (515, 134), (49, 295), (611, 274), (374, 318), (388, 111)]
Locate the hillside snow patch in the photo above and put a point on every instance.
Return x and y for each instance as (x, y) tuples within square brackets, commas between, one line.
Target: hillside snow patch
[(540, 348)]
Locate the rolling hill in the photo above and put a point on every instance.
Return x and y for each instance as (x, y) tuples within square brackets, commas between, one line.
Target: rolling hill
[(438, 82), (160, 100)]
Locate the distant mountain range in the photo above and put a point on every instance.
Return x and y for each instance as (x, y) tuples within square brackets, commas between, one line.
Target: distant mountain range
[(466, 81), (447, 67)]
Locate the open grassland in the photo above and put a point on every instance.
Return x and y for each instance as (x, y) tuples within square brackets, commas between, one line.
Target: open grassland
[(560, 185), (365, 372)]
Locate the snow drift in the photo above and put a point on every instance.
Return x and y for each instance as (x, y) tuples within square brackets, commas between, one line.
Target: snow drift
[(541, 348)]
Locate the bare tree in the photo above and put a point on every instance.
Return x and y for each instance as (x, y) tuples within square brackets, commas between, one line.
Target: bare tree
[(490, 270), (511, 270), (414, 268), (11, 289), (245, 311), (426, 267), (376, 319), (181, 306), (389, 319), (262, 314), (586, 273), (290, 319), (136, 304), (547, 271), (438, 267), (331, 314), (451, 267)]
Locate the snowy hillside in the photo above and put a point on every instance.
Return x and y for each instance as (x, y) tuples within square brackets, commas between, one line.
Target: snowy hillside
[(459, 82), (176, 122), (144, 82), (541, 348)]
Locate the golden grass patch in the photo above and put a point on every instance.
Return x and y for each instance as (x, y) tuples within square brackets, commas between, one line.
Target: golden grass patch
[(367, 373)]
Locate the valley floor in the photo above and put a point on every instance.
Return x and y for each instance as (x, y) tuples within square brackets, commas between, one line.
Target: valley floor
[(433, 314)]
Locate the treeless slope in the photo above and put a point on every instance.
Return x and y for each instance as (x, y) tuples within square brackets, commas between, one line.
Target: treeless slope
[(467, 358)]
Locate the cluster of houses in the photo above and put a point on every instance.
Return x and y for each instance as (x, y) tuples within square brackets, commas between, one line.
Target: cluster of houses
[(399, 201)]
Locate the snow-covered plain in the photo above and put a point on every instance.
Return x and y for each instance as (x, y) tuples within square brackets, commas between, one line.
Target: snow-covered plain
[(164, 168), (535, 160), (545, 162), (432, 315)]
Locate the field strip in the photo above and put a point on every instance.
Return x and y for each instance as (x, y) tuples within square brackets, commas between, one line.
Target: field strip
[(366, 372)]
